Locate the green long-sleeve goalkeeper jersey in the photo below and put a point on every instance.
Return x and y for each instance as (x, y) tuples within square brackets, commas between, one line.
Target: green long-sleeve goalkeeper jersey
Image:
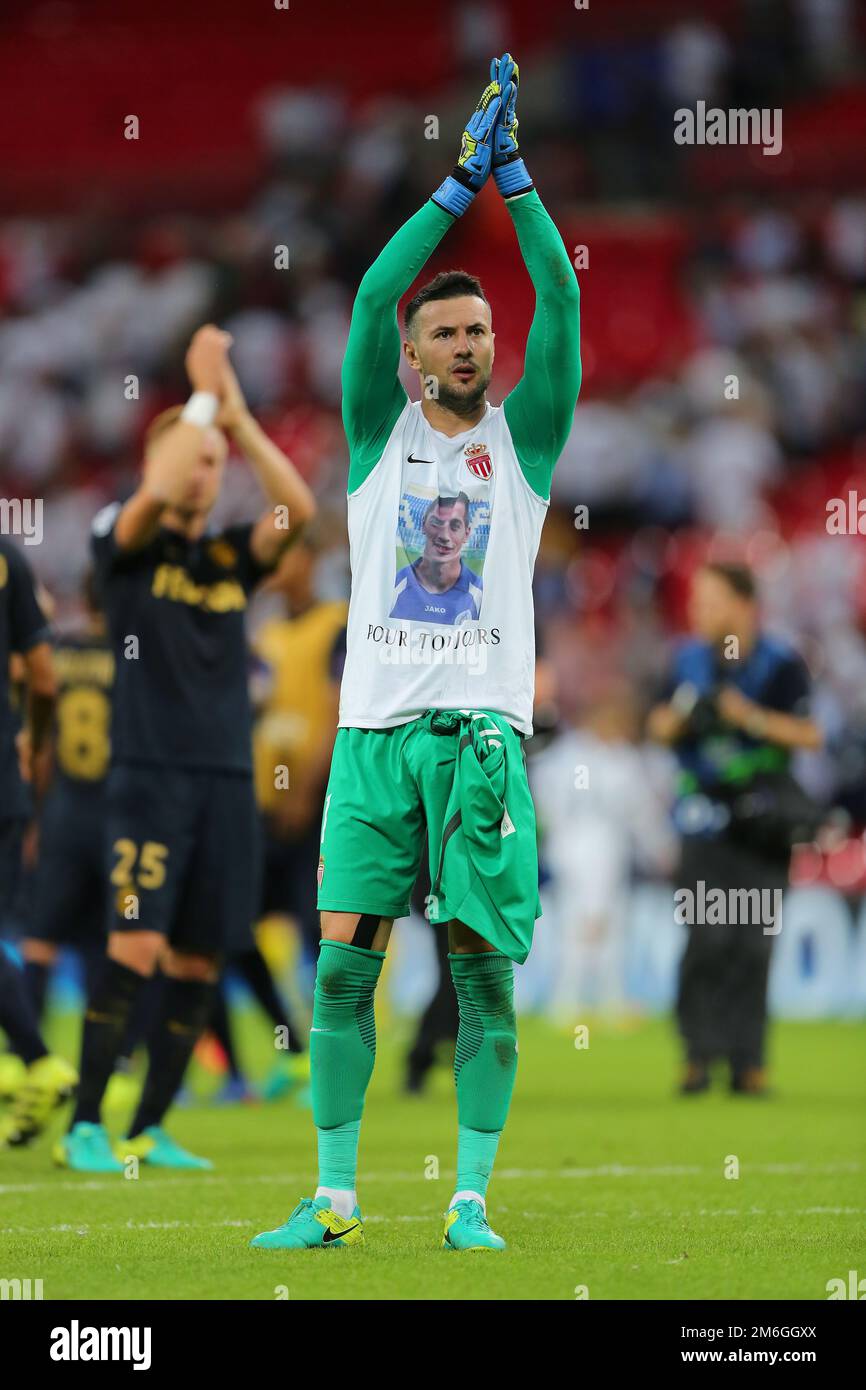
[(539, 410)]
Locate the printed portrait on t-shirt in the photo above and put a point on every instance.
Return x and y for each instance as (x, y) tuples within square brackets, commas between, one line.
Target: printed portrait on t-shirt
[(441, 545)]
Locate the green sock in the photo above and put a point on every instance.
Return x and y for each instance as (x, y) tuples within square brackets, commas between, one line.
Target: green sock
[(342, 1053), (485, 1062)]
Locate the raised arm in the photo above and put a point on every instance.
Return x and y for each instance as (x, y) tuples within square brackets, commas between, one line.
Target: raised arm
[(373, 396), (540, 409), (170, 463), (291, 503)]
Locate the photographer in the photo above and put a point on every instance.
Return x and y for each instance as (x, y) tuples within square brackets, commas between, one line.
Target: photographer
[(737, 710)]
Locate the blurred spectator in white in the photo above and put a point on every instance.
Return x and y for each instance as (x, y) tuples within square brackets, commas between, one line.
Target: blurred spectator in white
[(325, 310), (696, 57), (600, 817), (731, 459), (378, 145), (828, 39), (480, 30), (605, 456), (768, 242), (262, 351), (301, 121), (35, 420), (845, 237)]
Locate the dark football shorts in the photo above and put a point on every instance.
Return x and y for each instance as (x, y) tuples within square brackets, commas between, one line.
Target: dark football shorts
[(184, 856), (69, 884)]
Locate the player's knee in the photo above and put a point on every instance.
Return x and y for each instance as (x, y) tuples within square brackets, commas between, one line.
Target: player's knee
[(463, 941), (187, 965), (365, 930), (490, 996), (137, 950), (334, 974), (338, 926)]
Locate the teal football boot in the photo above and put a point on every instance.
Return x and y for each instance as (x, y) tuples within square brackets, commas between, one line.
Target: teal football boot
[(158, 1150), (466, 1228), (86, 1149), (313, 1225)]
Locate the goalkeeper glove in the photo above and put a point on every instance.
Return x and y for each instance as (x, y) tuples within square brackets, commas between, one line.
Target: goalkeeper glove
[(509, 170), (471, 171)]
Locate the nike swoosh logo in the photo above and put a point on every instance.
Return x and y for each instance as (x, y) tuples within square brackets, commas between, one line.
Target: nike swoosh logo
[(338, 1235), (412, 459)]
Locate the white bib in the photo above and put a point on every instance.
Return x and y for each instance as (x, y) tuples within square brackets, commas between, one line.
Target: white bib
[(443, 535)]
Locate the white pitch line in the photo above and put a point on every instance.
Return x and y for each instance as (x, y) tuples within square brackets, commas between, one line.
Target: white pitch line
[(608, 1170), (253, 1224), (86, 1228)]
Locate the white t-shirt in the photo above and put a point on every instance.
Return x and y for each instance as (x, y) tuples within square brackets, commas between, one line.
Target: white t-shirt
[(443, 535)]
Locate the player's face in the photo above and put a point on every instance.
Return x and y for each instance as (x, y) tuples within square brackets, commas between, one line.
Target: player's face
[(715, 611), (206, 478), (446, 531), (452, 344)]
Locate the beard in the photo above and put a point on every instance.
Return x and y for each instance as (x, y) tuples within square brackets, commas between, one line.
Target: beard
[(466, 401)]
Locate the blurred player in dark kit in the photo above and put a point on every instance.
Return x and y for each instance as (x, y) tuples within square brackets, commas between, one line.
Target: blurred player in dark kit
[(48, 1080), (181, 819), (70, 881)]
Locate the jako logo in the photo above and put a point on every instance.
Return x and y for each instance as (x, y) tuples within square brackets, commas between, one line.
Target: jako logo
[(76, 1343), (21, 1288)]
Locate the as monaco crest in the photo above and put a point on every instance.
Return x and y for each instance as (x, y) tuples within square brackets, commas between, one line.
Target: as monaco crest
[(478, 460)]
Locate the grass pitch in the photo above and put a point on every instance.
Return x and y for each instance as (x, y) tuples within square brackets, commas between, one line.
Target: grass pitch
[(605, 1182)]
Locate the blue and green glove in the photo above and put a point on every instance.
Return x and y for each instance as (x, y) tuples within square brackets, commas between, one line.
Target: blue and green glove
[(509, 171), (472, 169)]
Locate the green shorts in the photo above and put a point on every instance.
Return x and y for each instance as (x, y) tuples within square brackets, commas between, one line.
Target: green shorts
[(461, 777)]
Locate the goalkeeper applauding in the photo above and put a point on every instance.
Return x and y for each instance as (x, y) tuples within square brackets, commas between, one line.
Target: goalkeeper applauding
[(446, 500)]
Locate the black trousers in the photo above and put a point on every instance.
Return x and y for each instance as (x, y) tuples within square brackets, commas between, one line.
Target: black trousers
[(722, 995)]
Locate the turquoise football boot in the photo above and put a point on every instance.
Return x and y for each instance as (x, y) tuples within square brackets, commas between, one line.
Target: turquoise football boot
[(288, 1075), (158, 1150), (313, 1225), (466, 1228), (86, 1149)]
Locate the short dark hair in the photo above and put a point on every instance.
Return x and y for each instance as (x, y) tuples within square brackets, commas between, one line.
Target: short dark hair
[(449, 502), (448, 284), (737, 577)]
